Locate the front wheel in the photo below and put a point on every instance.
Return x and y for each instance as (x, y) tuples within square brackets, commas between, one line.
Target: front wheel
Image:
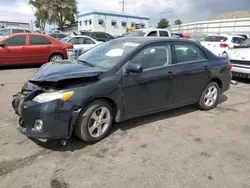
[(94, 123), (55, 57), (210, 96)]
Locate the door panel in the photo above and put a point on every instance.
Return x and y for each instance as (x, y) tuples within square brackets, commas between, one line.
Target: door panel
[(39, 49), (191, 79), (150, 90), (192, 72), (14, 51)]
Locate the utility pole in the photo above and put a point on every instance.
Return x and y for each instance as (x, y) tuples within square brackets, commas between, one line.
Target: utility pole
[(123, 5)]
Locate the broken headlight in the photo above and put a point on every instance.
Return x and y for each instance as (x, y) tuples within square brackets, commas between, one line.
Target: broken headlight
[(46, 97)]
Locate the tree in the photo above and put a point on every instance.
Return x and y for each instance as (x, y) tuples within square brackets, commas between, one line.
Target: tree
[(54, 11), (41, 13), (163, 23), (178, 22), (62, 11)]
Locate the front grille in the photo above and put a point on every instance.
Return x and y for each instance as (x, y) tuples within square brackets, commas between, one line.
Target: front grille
[(238, 62)]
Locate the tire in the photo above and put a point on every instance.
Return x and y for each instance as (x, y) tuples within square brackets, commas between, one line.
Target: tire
[(55, 57), (203, 103), (100, 127)]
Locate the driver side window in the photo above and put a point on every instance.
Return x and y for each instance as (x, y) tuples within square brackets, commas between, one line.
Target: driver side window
[(154, 56)]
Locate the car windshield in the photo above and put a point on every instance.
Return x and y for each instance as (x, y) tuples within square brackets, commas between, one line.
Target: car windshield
[(65, 39), (108, 54), (5, 32), (138, 33)]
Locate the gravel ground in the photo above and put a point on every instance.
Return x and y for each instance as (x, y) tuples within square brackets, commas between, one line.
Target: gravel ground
[(180, 148)]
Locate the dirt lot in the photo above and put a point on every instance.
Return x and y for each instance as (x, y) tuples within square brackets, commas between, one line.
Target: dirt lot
[(179, 148)]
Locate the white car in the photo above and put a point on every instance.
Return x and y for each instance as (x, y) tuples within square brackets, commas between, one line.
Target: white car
[(240, 59), (79, 41), (219, 44), (150, 33)]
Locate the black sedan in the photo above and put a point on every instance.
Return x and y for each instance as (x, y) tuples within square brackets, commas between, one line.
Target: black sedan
[(116, 81)]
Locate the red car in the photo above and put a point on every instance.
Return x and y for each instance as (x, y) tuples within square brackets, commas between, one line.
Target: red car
[(31, 48)]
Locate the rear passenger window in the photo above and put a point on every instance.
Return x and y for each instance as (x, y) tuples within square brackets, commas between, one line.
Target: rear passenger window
[(38, 40), (186, 52), (17, 31), (163, 33), (152, 34), (16, 41)]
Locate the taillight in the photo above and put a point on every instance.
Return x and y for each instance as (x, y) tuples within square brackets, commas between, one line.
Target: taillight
[(230, 65), (223, 45)]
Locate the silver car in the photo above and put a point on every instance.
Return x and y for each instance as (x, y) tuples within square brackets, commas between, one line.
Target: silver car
[(5, 32)]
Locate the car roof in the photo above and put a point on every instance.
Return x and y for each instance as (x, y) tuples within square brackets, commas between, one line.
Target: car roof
[(153, 29), (33, 34), (148, 40)]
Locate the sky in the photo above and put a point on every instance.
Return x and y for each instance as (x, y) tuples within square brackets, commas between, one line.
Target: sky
[(185, 10)]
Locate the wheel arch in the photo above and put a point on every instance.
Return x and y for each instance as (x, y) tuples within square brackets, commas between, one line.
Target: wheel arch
[(115, 108), (218, 81)]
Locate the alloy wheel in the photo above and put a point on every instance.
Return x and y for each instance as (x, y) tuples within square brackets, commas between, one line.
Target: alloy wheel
[(99, 122), (57, 58), (211, 96)]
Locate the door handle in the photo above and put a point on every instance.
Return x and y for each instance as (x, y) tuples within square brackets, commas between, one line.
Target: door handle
[(206, 68)]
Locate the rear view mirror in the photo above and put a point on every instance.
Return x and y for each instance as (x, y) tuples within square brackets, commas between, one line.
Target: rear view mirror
[(2, 44), (134, 68)]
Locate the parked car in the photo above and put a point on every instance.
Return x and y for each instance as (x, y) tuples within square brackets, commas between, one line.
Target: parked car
[(150, 33), (99, 36), (240, 59), (58, 36), (29, 48), (54, 31), (181, 35), (219, 44), (5, 32), (118, 80), (84, 42), (197, 39), (246, 36)]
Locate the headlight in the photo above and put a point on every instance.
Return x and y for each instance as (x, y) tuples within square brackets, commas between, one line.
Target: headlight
[(45, 97)]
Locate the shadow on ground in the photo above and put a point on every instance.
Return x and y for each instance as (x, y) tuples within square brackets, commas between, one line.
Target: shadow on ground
[(242, 80), (75, 144)]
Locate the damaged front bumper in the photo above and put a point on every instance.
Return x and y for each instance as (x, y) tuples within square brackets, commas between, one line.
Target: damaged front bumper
[(49, 120)]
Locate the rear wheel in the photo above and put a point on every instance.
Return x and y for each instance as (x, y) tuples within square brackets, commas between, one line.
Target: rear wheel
[(94, 123), (55, 57), (210, 96)]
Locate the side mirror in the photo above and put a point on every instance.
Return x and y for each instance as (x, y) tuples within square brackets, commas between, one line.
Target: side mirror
[(2, 44), (134, 68)]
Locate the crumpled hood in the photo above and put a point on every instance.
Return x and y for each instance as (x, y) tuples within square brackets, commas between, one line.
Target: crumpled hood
[(239, 54), (56, 71)]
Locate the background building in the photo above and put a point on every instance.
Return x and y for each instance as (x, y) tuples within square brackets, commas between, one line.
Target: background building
[(4, 24), (112, 23), (230, 22)]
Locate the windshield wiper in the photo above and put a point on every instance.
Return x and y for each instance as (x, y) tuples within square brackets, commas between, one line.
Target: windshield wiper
[(86, 63)]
